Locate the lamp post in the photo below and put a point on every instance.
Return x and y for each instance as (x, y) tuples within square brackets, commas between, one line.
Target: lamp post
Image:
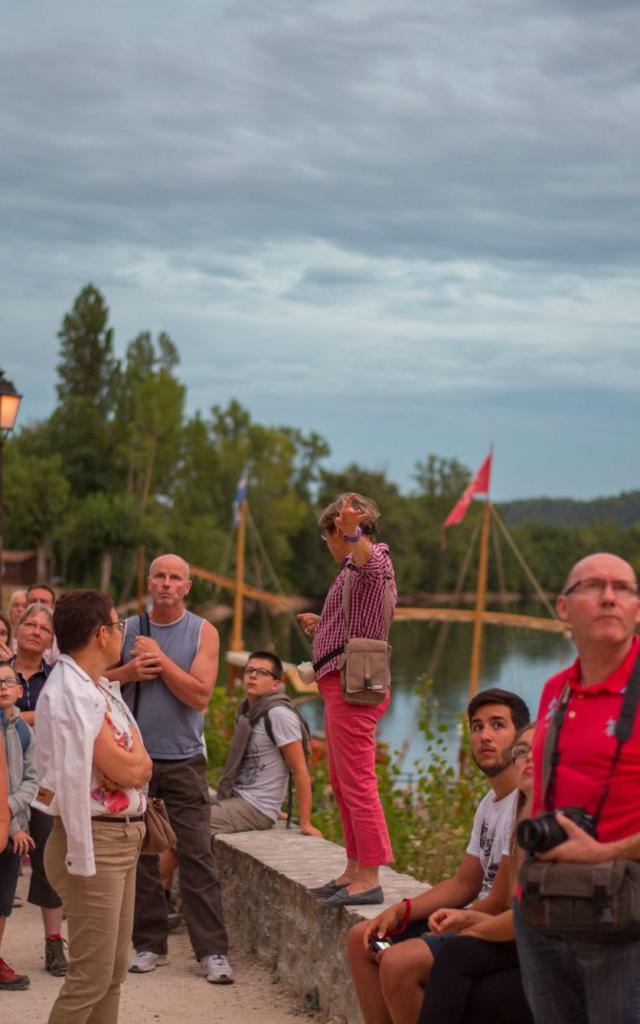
[(9, 405)]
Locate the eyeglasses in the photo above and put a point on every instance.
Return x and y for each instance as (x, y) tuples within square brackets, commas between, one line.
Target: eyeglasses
[(6, 684), (36, 625), (520, 751), (119, 624), (594, 587), (262, 672)]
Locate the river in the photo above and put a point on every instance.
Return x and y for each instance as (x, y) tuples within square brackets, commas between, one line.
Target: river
[(514, 659)]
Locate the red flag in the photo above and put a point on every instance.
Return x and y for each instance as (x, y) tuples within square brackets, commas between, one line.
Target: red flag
[(479, 485)]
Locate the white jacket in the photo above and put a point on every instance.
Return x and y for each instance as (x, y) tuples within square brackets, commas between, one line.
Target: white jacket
[(70, 714)]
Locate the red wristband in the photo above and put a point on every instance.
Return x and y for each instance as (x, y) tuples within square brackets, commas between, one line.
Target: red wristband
[(405, 920)]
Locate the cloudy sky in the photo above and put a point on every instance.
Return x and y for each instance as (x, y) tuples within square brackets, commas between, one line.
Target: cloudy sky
[(410, 226)]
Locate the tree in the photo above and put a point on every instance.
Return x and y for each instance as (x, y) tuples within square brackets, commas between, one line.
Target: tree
[(36, 499), (88, 377)]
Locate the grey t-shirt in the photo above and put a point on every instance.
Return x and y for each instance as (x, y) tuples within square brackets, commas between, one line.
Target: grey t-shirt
[(262, 777)]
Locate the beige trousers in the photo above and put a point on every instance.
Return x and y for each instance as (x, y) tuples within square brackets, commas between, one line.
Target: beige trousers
[(99, 911)]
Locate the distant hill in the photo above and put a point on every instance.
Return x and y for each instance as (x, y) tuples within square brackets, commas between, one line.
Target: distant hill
[(623, 509)]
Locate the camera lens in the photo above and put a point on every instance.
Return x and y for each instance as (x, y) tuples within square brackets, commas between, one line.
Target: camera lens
[(537, 835)]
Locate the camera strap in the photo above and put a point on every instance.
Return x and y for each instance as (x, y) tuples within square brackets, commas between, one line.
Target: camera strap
[(623, 730)]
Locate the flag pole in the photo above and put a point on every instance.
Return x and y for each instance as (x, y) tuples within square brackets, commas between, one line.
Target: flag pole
[(236, 642), (481, 595)]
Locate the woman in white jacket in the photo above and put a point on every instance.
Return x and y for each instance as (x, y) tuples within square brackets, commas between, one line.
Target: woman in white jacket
[(92, 766)]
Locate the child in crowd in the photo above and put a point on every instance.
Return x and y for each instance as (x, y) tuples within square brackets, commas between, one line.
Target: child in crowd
[(19, 745)]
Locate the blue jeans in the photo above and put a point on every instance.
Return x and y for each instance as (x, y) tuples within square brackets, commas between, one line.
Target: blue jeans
[(578, 982)]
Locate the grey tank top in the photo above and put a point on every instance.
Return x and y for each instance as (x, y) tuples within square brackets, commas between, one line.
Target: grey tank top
[(171, 731)]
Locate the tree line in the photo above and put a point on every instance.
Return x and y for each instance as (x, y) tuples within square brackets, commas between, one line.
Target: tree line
[(119, 464)]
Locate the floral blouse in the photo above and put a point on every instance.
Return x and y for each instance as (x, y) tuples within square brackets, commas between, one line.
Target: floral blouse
[(108, 797)]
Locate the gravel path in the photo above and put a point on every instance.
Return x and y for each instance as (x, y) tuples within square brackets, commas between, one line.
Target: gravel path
[(169, 995)]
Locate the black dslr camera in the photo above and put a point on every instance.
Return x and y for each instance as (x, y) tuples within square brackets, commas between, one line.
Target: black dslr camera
[(537, 835)]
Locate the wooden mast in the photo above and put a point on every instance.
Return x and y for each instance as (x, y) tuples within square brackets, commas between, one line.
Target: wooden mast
[(481, 595), (236, 642)]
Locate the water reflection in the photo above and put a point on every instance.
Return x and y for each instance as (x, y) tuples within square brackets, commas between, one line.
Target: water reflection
[(514, 659)]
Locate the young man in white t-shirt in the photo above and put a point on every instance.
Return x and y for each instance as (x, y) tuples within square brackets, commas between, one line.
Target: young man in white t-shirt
[(253, 786), (390, 985)]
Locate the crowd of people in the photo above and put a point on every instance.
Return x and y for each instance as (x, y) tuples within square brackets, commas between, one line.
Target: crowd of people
[(99, 714)]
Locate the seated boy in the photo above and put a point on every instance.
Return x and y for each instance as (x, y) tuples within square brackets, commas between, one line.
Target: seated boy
[(19, 748), (269, 742)]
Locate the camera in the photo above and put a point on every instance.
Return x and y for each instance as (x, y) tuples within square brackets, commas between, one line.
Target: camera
[(537, 835), (377, 945)]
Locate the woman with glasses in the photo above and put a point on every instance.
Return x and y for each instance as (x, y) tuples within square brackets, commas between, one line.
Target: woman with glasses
[(92, 766), (476, 976), (33, 636), (348, 528)]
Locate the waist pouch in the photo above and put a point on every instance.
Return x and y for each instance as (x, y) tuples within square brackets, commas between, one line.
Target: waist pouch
[(365, 670), (585, 902)]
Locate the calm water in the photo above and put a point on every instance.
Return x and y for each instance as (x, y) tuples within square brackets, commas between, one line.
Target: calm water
[(517, 660)]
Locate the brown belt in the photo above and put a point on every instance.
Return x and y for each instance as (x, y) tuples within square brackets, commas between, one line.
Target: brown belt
[(118, 817)]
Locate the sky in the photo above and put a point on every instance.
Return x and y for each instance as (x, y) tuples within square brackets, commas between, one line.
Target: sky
[(411, 227)]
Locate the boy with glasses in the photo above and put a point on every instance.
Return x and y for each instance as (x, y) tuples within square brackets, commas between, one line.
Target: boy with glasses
[(268, 743), (19, 745)]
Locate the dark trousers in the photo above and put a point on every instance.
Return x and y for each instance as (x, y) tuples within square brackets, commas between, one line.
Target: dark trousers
[(473, 981), (41, 892), (183, 787)]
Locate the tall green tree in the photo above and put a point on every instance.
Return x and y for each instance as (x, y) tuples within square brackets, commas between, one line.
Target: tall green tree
[(37, 497), (88, 378)]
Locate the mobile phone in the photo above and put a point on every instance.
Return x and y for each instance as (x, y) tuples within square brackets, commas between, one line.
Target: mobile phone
[(377, 945)]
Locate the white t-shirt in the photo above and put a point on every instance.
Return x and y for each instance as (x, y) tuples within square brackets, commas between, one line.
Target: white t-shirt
[(491, 835), (263, 774)]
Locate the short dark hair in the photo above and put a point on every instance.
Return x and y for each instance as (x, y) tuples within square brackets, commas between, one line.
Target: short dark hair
[(77, 615), (269, 656), (519, 711), (7, 621), (41, 586)]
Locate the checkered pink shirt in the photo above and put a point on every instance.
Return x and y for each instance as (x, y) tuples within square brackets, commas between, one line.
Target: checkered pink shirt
[(366, 605)]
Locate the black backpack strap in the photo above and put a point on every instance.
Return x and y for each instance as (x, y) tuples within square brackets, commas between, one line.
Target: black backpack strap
[(144, 630)]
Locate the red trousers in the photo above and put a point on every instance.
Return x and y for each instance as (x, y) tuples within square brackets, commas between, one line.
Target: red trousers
[(350, 731)]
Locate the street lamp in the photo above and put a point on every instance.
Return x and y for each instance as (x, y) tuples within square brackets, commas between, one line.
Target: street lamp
[(9, 405)]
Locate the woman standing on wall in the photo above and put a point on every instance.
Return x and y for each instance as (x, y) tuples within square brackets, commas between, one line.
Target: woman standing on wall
[(348, 528)]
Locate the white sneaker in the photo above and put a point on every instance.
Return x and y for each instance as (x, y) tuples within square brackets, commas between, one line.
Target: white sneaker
[(146, 961), (216, 969)]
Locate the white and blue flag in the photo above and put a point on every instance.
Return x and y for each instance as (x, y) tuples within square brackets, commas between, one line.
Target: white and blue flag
[(241, 495)]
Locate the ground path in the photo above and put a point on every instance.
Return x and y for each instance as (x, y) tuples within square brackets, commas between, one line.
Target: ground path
[(170, 995)]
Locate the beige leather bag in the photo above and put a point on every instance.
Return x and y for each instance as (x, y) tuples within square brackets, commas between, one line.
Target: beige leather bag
[(365, 665)]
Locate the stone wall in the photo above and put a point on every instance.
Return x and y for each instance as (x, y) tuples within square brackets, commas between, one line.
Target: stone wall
[(269, 910)]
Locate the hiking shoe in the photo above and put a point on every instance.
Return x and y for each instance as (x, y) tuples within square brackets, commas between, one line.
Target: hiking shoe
[(55, 962), (10, 981), (216, 969), (146, 961)]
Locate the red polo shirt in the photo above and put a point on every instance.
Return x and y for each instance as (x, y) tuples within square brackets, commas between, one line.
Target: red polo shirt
[(587, 745)]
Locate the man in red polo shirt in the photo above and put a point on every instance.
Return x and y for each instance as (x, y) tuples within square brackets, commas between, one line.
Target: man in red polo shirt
[(588, 982)]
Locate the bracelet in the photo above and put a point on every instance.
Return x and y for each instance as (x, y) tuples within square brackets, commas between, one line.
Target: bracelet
[(405, 920), (355, 538)]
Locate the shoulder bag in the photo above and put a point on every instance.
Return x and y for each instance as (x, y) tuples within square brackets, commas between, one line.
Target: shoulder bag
[(365, 665)]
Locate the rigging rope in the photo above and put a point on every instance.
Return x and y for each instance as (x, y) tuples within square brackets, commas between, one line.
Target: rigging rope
[(523, 565)]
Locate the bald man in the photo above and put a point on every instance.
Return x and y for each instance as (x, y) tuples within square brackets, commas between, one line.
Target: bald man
[(570, 979), (170, 661)]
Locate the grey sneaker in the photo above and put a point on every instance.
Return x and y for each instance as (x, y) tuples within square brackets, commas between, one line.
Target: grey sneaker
[(216, 969), (55, 962), (146, 961)]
